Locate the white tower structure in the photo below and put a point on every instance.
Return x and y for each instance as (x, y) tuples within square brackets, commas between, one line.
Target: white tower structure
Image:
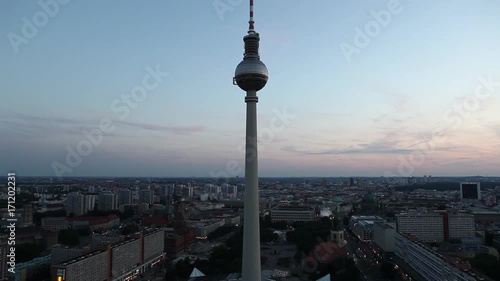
[(251, 76)]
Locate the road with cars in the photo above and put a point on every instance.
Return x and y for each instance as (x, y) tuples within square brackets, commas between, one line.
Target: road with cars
[(368, 259)]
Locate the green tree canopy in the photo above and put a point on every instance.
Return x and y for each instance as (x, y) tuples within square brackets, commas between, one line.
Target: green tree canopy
[(69, 237)]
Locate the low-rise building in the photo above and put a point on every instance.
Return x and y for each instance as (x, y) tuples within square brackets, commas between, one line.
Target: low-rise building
[(362, 226), (205, 227), (95, 223), (293, 213), (54, 223)]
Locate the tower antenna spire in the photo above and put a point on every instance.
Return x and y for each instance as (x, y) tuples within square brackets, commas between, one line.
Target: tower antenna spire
[(251, 22)]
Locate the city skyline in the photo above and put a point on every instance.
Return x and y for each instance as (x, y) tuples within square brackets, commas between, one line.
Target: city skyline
[(352, 109)]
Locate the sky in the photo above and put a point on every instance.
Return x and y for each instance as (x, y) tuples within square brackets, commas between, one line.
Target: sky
[(144, 88)]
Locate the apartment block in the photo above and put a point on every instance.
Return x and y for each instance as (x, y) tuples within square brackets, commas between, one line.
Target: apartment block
[(461, 226), (431, 265), (119, 262), (428, 227), (91, 267), (383, 236)]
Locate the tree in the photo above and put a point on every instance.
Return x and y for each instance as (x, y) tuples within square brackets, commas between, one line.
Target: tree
[(282, 225), (345, 220), (267, 235), (127, 213), (37, 217), (69, 237), (351, 272), (182, 268), (221, 231), (265, 221), (305, 236), (129, 228), (26, 252), (387, 270), (84, 231), (487, 264)]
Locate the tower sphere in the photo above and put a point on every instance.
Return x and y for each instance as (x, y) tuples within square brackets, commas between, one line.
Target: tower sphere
[(251, 74)]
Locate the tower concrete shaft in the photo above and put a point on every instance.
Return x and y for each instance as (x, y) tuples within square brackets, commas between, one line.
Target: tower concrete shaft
[(251, 76), (251, 231)]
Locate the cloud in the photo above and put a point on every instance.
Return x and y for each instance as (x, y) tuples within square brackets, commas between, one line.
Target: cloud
[(43, 126), (181, 130), (494, 128), (40, 126), (362, 149)]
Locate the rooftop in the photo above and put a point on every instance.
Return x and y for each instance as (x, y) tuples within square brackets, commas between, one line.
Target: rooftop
[(293, 208)]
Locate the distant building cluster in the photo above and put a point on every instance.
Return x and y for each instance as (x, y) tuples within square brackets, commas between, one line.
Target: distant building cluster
[(403, 217)]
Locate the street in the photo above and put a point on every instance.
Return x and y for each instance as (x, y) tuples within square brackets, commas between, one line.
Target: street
[(366, 258), (361, 255), (204, 247)]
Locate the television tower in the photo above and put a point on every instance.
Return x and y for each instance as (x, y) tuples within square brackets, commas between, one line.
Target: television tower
[(251, 76)]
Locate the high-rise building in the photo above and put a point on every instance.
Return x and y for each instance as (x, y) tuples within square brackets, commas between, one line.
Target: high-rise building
[(351, 182), (187, 191), (178, 189), (26, 218), (146, 196), (251, 75), (74, 204), (125, 196), (107, 201), (169, 189), (436, 227), (470, 190), (89, 202), (461, 226), (428, 227)]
